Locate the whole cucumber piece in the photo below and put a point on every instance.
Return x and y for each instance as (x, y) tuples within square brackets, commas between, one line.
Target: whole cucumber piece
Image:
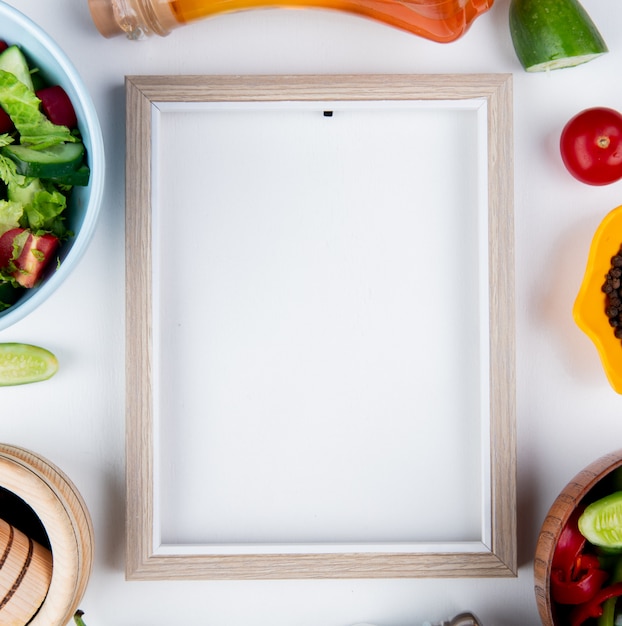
[(553, 34)]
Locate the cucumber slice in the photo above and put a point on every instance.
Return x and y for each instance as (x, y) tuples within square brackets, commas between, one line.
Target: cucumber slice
[(553, 34), (77, 178), (601, 522), (22, 363), (53, 162), (12, 60)]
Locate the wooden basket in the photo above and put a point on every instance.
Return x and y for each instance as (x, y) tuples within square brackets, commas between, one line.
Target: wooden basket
[(555, 521), (66, 521)]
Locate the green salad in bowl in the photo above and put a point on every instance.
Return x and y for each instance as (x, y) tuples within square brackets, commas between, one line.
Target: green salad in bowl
[(51, 166)]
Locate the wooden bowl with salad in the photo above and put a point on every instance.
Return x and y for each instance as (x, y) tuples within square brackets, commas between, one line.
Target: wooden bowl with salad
[(578, 562), (51, 166)]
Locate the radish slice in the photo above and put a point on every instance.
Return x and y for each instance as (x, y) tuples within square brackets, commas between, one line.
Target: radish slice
[(57, 107), (6, 123)]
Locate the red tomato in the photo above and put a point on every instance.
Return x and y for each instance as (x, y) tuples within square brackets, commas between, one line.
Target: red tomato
[(57, 106), (6, 124), (591, 146), (37, 252)]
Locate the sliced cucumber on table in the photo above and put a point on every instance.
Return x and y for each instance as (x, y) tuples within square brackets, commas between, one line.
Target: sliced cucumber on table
[(22, 363)]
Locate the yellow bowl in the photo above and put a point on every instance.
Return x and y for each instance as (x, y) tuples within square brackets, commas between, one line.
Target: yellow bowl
[(589, 307)]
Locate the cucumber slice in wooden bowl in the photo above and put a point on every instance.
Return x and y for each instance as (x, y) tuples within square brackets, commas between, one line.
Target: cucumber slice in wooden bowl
[(553, 34)]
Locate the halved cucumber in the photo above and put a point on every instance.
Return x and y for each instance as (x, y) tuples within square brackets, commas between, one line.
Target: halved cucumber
[(53, 162), (601, 522), (553, 34), (22, 363), (12, 60)]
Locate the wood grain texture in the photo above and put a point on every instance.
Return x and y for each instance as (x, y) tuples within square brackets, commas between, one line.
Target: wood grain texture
[(143, 560), (139, 402), (557, 517), (25, 575), (66, 520), (502, 322), (198, 88)]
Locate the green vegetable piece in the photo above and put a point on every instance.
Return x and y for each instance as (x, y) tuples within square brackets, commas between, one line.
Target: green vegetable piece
[(608, 618), (609, 611), (601, 522), (553, 34), (22, 106), (42, 205), (22, 363), (77, 178), (10, 214), (77, 618), (53, 162), (9, 295), (13, 60)]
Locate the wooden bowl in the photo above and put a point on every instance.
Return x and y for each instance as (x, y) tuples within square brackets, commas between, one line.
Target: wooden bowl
[(25, 574), (67, 524), (587, 485)]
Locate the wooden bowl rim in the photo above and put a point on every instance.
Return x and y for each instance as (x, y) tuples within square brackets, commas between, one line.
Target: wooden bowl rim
[(555, 521), (61, 510)]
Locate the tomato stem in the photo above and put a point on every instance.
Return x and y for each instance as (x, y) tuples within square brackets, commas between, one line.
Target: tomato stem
[(603, 142)]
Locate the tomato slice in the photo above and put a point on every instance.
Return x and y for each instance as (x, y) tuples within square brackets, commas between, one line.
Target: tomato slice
[(57, 106), (35, 253), (6, 123)]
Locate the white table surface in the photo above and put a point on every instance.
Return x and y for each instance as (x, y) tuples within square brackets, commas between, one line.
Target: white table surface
[(567, 414)]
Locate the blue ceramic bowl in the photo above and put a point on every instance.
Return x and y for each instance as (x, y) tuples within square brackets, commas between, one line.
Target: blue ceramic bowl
[(83, 210)]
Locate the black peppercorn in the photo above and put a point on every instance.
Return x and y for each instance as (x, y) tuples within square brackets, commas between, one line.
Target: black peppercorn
[(612, 288)]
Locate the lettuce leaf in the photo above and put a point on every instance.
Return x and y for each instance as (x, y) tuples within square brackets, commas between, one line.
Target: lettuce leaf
[(10, 215), (22, 106), (35, 205), (8, 170), (32, 203), (11, 211), (42, 203), (43, 213)]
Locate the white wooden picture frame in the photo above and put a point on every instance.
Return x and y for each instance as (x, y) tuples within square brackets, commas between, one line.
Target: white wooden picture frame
[(320, 327)]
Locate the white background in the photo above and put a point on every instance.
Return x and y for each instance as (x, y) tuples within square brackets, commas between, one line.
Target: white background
[(567, 414), (302, 377)]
